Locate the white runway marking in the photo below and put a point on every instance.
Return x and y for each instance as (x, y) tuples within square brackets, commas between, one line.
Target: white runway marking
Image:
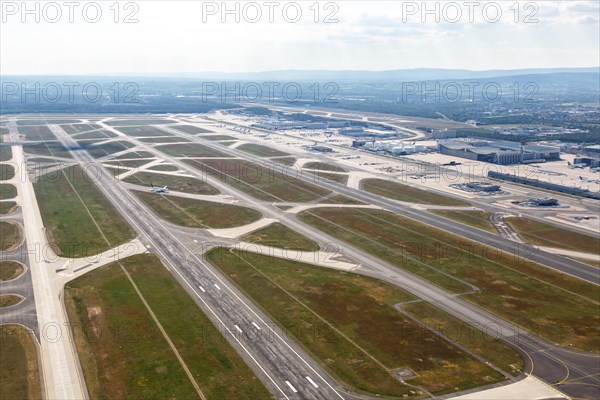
[(291, 387), (312, 382)]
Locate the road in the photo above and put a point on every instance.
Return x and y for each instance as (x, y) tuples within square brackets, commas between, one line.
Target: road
[(281, 364)]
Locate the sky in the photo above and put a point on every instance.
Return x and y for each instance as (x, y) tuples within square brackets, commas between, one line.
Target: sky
[(173, 37)]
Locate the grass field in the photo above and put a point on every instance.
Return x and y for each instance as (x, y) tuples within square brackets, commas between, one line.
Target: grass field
[(52, 149), (5, 153), (478, 219), (134, 155), (553, 305), (36, 132), (7, 172), (103, 134), (170, 139), (177, 183), (278, 235), (143, 131), (497, 352), (217, 137), (336, 198), (105, 149), (321, 176), (6, 206), (7, 191), (46, 121), (191, 129), (324, 166), (9, 300), (197, 213), (78, 128), (190, 150), (141, 122), (124, 355), (19, 375), (398, 191), (128, 163), (10, 235), (284, 160), (542, 234), (73, 210), (349, 323), (10, 270), (261, 151), (165, 167), (263, 183)]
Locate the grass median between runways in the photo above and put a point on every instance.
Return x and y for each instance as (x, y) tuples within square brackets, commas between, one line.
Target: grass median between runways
[(73, 210), (542, 234), (124, 355), (193, 213), (279, 235), (349, 323), (545, 302), (19, 374), (401, 192)]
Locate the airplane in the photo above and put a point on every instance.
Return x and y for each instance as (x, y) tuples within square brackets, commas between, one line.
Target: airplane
[(158, 189)]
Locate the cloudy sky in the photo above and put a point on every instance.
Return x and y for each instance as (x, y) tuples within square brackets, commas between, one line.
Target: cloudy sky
[(191, 36)]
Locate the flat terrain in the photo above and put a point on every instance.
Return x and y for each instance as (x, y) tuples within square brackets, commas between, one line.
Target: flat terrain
[(547, 303), (177, 183), (78, 128), (75, 213), (398, 191), (19, 375), (260, 182), (7, 172), (190, 150), (324, 166), (197, 213), (51, 149), (105, 149), (474, 339), (97, 135), (7, 191), (349, 323), (124, 355), (278, 235), (146, 121), (143, 131), (7, 206), (542, 234), (217, 137), (36, 132), (10, 235), (261, 151), (478, 219), (191, 129), (8, 300), (164, 167), (320, 176), (10, 270), (5, 153)]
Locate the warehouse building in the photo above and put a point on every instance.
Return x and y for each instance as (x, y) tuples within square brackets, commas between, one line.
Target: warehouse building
[(500, 152)]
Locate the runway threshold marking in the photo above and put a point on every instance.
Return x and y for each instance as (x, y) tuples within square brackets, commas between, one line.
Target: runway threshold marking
[(308, 378), (291, 386)]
